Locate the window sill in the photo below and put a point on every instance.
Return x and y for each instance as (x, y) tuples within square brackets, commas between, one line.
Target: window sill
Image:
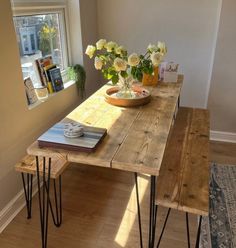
[(66, 85)]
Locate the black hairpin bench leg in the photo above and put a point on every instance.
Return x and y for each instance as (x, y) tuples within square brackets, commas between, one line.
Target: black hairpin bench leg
[(28, 192), (198, 233), (44, 198), (163, 228), (187, 227), (57, 216)]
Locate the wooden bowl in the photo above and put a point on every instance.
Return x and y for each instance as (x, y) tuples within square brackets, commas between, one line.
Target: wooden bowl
[(143, 97)]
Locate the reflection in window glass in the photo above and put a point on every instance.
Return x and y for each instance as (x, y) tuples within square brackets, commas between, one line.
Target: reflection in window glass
[(38, 36)]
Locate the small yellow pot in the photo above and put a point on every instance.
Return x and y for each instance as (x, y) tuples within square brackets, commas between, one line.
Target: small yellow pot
[(151, 80)]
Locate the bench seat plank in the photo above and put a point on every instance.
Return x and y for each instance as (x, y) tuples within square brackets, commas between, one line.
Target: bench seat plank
[(184, 175), (168, 191), (194, 195), (28, 165)]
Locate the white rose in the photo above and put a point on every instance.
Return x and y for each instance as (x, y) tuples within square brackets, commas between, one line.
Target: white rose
[(120, 50), (133, 59), (90, 51), (100, 44), (110, 45), (152, 48), (98, 63), (120, 64), (156, 58), (162, 47)]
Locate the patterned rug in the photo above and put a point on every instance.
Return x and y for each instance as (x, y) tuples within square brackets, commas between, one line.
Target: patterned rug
[(219, 230)]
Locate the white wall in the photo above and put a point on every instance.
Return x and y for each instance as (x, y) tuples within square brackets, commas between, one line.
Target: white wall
[(222, 97), (187, 26)]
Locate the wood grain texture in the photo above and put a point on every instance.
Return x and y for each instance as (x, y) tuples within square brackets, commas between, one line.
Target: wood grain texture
[(170, 177), (183, 183), (143, 148), (132, 143), (194, 195), (28, 165)]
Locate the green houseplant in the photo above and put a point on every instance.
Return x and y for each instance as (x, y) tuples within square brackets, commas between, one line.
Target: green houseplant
[(78, 74)]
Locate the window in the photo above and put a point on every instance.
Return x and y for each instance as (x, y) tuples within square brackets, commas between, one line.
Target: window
[(40, 33)]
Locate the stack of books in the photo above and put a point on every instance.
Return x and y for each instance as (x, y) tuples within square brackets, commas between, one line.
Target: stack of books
[(50, 74)]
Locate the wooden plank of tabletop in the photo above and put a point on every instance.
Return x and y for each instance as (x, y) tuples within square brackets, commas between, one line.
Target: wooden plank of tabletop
[(116, 120), (194, 196), (143, 148)]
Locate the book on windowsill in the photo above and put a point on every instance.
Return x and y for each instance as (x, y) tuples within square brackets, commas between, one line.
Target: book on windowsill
[(56, 79), (48, 77), (54, 138), (41, 63)]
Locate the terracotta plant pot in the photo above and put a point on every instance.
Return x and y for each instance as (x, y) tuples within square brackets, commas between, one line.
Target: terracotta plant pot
[(150, 80)]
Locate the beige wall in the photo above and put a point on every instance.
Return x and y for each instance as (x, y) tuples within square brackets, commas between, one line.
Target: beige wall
[(19, 126), (222, 97), (188, 27), (88, 10)]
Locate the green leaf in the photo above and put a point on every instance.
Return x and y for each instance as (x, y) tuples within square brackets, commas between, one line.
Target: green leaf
[(115, 79), (133, 71), (124, 74)]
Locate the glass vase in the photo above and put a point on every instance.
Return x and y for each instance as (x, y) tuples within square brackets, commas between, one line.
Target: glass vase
[(125, 87)]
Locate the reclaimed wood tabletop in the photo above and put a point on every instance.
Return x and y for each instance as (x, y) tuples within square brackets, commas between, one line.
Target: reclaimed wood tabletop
[(136, 137)]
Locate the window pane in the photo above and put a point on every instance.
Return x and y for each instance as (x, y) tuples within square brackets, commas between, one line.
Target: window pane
[(38, 36)]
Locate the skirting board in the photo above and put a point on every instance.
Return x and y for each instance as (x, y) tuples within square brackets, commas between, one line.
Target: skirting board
[(223, 136), (14, 207)]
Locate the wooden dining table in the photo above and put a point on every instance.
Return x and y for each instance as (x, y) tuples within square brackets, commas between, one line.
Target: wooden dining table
[(135, 141)]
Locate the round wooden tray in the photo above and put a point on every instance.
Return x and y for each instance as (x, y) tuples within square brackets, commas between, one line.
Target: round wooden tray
[(143, 96)]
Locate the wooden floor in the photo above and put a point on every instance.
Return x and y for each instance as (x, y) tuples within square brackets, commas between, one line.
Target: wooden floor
[(99, 211)]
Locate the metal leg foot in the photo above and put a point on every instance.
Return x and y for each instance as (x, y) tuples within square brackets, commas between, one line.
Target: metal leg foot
[(44, 198), (28, 192), (138, 207)]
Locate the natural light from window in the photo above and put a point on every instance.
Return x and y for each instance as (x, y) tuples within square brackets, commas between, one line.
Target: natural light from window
[(39, 36)]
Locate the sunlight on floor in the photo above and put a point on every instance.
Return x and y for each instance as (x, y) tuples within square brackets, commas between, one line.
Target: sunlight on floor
[(130, 214)]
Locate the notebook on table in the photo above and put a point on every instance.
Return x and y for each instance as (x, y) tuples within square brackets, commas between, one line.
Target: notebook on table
[(54, 137)]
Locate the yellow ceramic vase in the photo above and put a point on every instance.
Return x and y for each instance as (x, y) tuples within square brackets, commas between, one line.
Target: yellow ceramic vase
[(151, 80)]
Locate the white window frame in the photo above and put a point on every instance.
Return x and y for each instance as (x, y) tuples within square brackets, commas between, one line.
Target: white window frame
[(27, 9)]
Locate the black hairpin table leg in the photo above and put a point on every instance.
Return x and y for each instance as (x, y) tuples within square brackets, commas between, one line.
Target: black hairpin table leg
[(138, 207), (153, 212), (28, 192), (44, 198)]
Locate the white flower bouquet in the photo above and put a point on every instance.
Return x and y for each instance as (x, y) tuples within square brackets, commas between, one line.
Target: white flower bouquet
[(114, 62)]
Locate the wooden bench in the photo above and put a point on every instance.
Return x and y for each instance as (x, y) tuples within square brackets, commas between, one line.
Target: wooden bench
[(28, 166), (183, 182)]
